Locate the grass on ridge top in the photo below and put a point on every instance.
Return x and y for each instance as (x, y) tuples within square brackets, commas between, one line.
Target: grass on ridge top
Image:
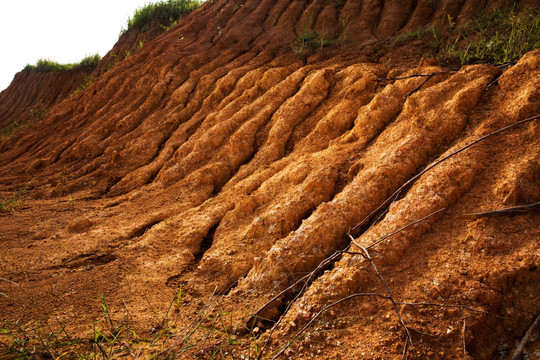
[(162, 12), (46, 65), (500, 37)]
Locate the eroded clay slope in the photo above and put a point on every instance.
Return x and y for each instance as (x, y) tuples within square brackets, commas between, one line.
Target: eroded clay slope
[(32, 93), (217, 160)]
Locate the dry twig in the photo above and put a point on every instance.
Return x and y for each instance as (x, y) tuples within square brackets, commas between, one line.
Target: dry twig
[(517, 353), (416, 75), (318, 314), (396, 193), (306, 280), (403, 228), (331, 258), (513, 209), (463, 340), (449, 306), (389, 296), (166, 353)]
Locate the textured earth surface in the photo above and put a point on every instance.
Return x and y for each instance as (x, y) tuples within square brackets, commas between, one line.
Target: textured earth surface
[(323, 196)]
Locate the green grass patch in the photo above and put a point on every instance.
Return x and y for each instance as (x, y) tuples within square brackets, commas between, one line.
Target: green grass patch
[(164, 13), (112, 336), (46, 65), (430, 35), (500, 37)]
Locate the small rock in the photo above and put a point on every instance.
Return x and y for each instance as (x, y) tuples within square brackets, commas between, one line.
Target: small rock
[(80, 225), (292, 324)]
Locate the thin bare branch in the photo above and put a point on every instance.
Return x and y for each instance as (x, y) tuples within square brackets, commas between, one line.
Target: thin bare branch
[(418, 87), (463, 339), (405, 227), (11, 282), (517, 353), (389, 295), (513, 209), (415, 177), (416, 75), (319, 313), (306, 280), (449, 306)]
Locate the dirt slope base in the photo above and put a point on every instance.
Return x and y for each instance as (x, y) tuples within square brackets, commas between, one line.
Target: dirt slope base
[(217, 195)]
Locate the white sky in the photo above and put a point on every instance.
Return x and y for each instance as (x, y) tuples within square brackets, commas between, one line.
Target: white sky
[(64, 31)]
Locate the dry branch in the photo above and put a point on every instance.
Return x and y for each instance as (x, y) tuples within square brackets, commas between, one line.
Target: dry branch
[(416, 75), (166, 353), (513, 209), (463, 339), (396, 193), (517, 353), (418, 87), (331, 258), (318, 314), (450, 306), (403, 228), (389, 296), (306, 280)]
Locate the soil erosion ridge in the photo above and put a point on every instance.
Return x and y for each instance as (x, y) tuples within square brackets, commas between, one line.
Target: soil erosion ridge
[(300, 178)]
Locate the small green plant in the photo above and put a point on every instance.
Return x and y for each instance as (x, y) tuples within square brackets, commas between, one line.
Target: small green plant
[(15, 201), (219, 21), (111, 61), (339, 3), (208, 334), (70, 202), (172, 23), (502, 36), (85, 83), (140, 44), (37, 114), (309, 40), (344, 29), (236, 7)]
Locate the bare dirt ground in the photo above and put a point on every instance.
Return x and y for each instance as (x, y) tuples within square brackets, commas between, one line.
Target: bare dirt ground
[(326, 198)]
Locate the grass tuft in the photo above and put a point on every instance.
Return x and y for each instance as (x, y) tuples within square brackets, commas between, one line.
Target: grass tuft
[(14, 202), (112, 336)]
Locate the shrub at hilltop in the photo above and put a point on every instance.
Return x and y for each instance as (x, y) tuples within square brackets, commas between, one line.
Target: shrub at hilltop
[(162, 12), (46, 65)]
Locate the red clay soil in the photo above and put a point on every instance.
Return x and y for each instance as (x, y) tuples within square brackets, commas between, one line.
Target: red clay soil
[(279, 189), (31, 93)]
